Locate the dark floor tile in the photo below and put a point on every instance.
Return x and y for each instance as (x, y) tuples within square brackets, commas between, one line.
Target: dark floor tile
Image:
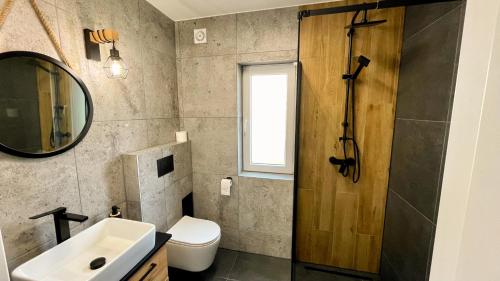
[(303, 274), (427, 70), (407, 238), (224, 261), (416, 161), (419, 16), (251, 267)]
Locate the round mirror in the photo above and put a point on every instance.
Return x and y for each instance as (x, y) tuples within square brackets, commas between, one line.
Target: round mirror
[(45, 109)]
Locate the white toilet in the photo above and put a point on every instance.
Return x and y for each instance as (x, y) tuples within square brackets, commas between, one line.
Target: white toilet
[(193, 244)]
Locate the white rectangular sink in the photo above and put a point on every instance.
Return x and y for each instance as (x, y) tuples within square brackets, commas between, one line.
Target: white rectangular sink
[(123, 243)]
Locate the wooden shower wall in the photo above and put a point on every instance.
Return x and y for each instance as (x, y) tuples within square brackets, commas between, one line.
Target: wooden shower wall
[(340, 223)]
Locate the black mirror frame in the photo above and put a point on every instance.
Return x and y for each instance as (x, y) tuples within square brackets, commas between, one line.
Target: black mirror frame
[(88, 100)]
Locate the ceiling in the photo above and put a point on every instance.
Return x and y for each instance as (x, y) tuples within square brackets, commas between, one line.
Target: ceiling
[(192, 9)]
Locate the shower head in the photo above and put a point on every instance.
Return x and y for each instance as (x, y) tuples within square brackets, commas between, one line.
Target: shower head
[(364, 61), (364, 22)]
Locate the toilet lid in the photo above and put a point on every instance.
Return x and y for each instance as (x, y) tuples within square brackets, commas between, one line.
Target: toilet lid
[(194, 231)]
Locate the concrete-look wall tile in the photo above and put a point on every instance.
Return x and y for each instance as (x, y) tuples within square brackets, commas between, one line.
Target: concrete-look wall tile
[(206, 197), (266, 205), (209, 86), (134, 211), (116, 99), (70, 27), (67, 5), (271, 30), (221, 36), (98, 158), (29, 254), (230, 239), (186, 185), (131, 177), (152, 188), (266, 243), (267, 57), (213, 144), (180, 101), (210, 204), (182, 159), (38, 40), (154, 209), (160, 85), (229, 205), (29, 187), (157, 30), (149, 182), (174, 194), (162, 131)]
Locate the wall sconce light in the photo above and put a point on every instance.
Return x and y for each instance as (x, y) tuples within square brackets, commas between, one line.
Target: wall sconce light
[(114, 66)]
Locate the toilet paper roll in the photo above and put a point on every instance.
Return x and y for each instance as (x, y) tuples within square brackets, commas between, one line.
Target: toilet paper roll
[(225, 186), (181, 136)]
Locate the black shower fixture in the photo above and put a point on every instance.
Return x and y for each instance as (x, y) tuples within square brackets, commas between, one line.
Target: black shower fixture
[(363, 62), (364, 22), (350, 77)]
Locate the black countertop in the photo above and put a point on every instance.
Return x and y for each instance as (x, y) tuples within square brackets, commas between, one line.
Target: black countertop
[(161, 239)]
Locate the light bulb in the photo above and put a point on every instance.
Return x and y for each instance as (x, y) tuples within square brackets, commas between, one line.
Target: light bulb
[(115, 67)]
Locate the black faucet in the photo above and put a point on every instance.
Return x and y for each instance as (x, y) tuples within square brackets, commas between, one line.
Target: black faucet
[(61, 222)]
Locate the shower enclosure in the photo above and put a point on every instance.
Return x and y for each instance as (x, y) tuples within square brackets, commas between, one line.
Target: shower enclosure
[(349, 63)]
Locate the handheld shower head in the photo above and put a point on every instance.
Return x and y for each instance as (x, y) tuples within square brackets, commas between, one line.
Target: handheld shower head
[(364, 61)]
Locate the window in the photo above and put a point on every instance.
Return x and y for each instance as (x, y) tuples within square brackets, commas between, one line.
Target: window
[(268, 118)]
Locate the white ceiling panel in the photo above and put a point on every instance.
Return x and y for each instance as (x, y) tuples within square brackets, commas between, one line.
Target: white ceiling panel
[(192, 9)]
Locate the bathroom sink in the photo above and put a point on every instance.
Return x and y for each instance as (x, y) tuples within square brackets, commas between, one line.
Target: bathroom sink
[(122, 242)]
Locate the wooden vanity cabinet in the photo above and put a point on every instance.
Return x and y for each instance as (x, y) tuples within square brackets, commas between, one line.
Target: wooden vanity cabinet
[(155, 269)]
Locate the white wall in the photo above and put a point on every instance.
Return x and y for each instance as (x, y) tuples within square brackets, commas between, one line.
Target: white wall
[(467, 243)]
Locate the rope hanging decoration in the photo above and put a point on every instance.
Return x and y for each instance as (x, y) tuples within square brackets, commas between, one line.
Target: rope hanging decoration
[(7, 7)]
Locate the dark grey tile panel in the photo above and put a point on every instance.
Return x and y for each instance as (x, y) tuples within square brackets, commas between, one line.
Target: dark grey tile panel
[(420, 16), (427, 69), (387, 272), (441, 172), (416, 160), (407, 239), (251, 267)]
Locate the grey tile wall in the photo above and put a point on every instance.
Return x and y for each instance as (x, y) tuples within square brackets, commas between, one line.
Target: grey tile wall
[(208, 107), (153, 199), (425, 94), (130, 115)]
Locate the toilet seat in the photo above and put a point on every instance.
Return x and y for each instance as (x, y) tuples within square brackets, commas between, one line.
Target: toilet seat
[(194, 232)]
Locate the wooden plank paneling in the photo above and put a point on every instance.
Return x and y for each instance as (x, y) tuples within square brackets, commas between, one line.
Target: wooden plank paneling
[(340, 223)]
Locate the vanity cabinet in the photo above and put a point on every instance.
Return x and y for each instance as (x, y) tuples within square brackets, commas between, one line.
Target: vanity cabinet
[(154, 269)]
